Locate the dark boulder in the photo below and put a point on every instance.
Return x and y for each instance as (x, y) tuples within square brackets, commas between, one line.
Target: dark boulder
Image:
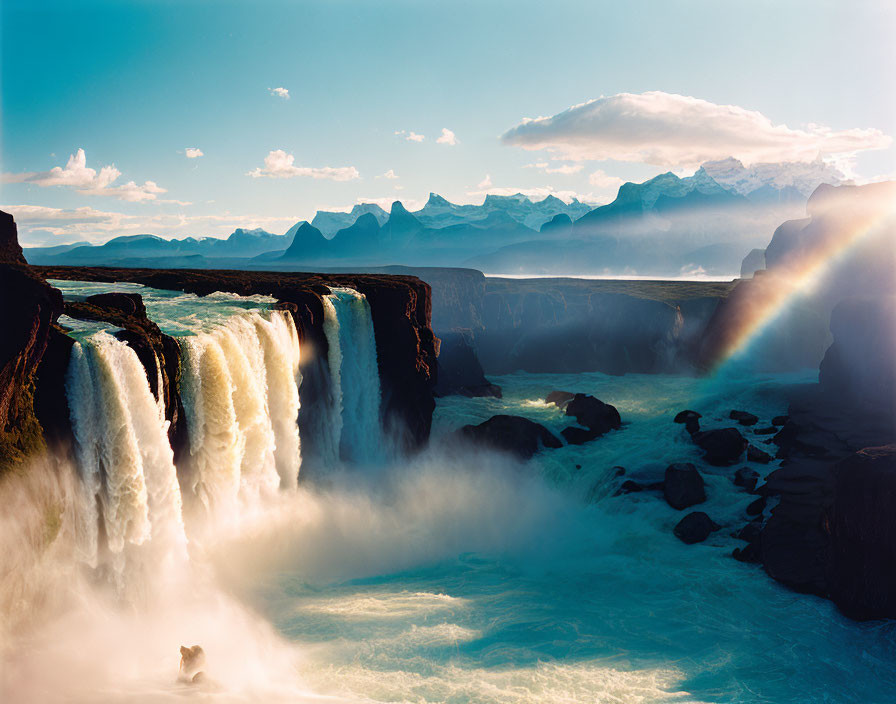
[(780, 420), (126, 303), (694, 528), (722, 447), (685, 416), (754, 454), (747, 478), (755, 508), (512, 434), (683, 486), (577, 436), (594, 414), (743, 417), (770, 430), (559, 398)]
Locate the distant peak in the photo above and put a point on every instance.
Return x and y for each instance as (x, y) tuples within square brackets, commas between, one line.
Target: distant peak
[(436, 200)]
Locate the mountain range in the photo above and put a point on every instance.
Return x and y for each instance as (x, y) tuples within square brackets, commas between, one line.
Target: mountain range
[(665, 226)]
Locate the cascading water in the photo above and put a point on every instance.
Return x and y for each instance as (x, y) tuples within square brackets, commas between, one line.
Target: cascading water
[(355, 428), (125, 459), (240, 389)]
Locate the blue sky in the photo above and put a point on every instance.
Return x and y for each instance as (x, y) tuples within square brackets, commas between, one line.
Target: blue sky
[(135, 84)]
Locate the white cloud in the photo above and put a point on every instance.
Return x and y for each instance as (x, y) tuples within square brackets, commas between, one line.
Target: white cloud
[(485, 183), (666, 129), (410, 136), (601, 179), (280, 92), (279, 164), (193, 152), (448, 137), (564, 169), (76, 174), (390, 174)]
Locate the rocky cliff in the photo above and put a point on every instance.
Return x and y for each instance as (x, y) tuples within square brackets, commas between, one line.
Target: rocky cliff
[(28, 309)]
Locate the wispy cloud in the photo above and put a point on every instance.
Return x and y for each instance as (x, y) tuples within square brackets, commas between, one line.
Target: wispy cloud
[(77, 175), (485, 183), (193, 152), (280, 92), (666, 129), (564, 169), (390, 174), (601, 179), (279, 164), (410, 136), (448, 137)]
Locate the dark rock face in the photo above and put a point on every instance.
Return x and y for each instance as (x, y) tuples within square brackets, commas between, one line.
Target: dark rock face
[(28, 309), (743, 417), (683, 486), (860, 365), (559, 398), (780, 420), (460, 372), (400, 307), (577, 436), (694, 528), (512, 434), (861, 534), (10, 249), (723, 447), (594, 414)]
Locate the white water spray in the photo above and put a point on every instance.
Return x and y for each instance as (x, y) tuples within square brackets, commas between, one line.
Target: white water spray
[(125, 459)]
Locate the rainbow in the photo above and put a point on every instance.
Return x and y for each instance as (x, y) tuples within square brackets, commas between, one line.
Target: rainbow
[(756, 303)]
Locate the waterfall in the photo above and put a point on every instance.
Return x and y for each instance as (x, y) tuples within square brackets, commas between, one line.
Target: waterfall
[(125, 460), (240, 389), (355, 428)]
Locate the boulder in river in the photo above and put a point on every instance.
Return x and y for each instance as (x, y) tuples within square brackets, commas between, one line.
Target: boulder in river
[(559, 398), (743, 417), (747, 478), (694, 528), (683, 486), (594, 414), (723, 447), (513, 434)]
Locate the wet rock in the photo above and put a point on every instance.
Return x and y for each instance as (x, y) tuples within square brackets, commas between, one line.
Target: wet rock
[(749, 553), (754, 454), (685, 416), (750, 532), (743, 417), (770, 430), (683, 486), (512, 434), (780, 420), (756, 507), (694, 528), (559, 398), (722, 447), (747, 478), (577, 436), (594, 414)]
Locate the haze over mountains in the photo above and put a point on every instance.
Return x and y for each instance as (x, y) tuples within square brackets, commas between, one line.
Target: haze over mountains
[(666, 226)]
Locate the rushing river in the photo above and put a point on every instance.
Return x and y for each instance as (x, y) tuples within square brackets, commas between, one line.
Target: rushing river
[(456, 576)]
